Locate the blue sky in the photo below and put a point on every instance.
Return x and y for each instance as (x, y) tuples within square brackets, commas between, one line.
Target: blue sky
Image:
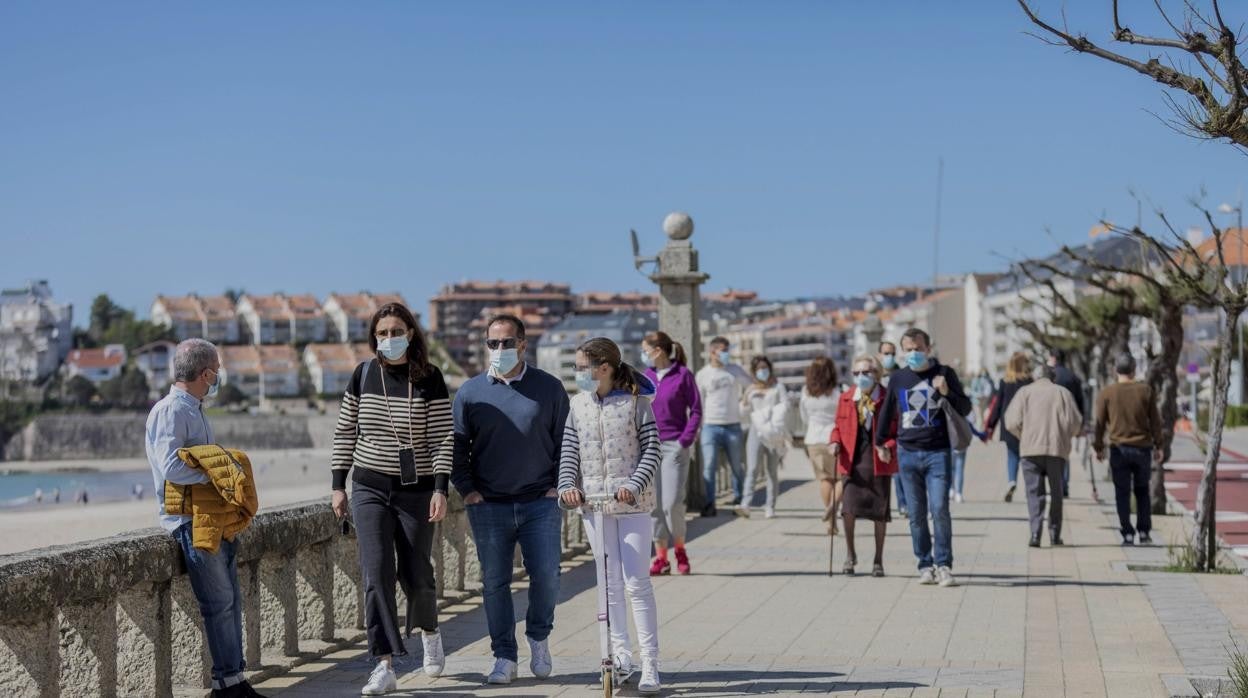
[(310, 147)]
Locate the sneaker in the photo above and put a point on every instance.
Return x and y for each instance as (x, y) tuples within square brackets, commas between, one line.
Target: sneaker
[(927, 575), (660, 566), (1128, 539), (1066, 492), (1009, 492), (381, 681), (539, 659), (622, 667), (769, 513), (682, 561), (1145, 539), (649, 684), (1035, 541), (434, 659), (504, 672), (708, 511), (742, 510), (944, 577), (902, 513), (957, 497)]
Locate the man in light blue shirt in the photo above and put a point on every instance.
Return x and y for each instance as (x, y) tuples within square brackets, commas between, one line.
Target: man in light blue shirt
[(178, 421)]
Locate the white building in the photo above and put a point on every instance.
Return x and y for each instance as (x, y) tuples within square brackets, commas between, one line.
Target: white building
[(262, 372), (556, 350), (348, 314), (332, 365), (792, 342), (213, 318), (36, 333), (96, 365), (155, 361)]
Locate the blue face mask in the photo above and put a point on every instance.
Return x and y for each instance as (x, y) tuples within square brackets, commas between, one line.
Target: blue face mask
[(890, 362), (762, 375), (216, 387), (916, 359), (393, 348), (586, 382), (503, 360), (864, 383), (647, 359)]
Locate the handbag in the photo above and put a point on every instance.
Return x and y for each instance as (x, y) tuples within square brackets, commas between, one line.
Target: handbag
[(959, 429)]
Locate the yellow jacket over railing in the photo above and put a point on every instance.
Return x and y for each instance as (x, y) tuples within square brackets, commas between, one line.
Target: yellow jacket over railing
[(221, 507)]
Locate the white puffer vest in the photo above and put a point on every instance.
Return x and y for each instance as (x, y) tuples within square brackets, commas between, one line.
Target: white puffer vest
[(609, 449)]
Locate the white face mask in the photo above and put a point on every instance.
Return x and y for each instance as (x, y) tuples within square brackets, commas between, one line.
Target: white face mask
[(585, 381), (503, 360), (216, 387), (393, 348)]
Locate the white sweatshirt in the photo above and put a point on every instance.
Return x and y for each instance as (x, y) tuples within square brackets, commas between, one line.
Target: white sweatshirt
[(721, 393), (819, 415)]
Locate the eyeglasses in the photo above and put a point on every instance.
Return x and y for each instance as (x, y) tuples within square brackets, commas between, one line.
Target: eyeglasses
[(509, 342), (889, 353), (387, 334)]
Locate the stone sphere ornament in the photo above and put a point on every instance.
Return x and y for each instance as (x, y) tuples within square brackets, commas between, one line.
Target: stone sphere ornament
[(678, 225)]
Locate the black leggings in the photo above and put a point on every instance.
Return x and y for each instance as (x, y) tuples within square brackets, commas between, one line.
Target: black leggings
[(389, 522)]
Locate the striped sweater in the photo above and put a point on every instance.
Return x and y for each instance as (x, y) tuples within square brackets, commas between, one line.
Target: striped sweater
[(647, 440), (365, 436)]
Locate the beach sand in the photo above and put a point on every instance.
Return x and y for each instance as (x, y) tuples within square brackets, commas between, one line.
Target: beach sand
[(283, 477)]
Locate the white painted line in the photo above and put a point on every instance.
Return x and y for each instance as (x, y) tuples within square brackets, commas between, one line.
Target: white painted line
[(1179, 485), (1230, 517), (1222, 467)]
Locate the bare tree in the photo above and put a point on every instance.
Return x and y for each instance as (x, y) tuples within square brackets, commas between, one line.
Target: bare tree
[(1214, 97)]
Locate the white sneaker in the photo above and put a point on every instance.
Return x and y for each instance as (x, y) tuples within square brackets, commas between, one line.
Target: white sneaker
[(944, 577), (539, 658), (957, 497), (504, 672), (649, 684), (742, 510), (435, 658), (623, 669), (381, 681), (769, 513), (927, 575)]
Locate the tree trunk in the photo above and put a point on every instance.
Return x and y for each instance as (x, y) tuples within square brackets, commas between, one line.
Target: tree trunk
[(1163, 377), (1205, 536)]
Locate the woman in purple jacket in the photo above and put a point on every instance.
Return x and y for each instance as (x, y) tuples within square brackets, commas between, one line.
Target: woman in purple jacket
[(678, 414)]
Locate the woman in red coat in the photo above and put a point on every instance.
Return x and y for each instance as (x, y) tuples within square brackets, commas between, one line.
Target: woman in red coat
[(865, 471)]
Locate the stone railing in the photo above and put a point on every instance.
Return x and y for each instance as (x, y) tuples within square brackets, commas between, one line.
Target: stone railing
[(116, 617)]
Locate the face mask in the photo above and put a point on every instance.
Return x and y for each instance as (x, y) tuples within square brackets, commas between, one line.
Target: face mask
[(722, 356), (890, 362), (864, 383), (916, 359), (647, 359), (503, 360), (393, 348), (762, 375), (585, 381), (216, 387)]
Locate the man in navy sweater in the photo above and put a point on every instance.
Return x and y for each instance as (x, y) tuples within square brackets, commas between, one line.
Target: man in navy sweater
[(508, 432), (913, 410)]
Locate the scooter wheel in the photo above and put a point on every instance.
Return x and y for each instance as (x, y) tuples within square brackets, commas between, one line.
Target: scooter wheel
[(608, 678)]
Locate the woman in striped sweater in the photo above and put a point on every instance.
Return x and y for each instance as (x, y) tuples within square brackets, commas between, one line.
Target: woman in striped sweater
[(394, 426), (611, 447)]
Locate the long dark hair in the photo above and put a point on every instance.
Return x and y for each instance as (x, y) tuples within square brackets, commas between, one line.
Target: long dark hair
[(417, 349), (821, 377), (601, 350), (670, 348), (761, 360)]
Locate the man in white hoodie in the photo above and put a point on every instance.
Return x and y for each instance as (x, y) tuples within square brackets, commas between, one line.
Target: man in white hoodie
[(720, 382)]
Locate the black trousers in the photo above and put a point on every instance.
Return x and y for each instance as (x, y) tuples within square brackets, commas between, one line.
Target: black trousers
[(389, 523), (1130, 467)]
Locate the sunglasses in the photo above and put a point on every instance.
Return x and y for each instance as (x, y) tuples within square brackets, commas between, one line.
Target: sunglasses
[(863, 373), (508, 343)]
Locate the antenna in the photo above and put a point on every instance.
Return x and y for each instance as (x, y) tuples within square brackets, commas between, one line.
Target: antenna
[(940, 177), (638, 260)]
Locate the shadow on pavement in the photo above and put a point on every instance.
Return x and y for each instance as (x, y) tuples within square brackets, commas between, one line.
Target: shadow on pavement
[(1023, 580)]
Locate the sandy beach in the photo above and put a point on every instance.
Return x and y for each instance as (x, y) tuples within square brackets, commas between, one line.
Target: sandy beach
[(283, 477)]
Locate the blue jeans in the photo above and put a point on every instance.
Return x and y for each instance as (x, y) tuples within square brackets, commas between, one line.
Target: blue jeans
[(959, 470), (214, 579), (901, 494), (1011, 464), (497, 527), (927, 489), (726, 438)]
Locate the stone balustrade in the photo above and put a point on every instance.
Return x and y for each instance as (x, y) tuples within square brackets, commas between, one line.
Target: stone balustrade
[(116, 617)]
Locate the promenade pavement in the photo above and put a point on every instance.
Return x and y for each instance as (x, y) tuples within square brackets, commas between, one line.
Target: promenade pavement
[(760, 615)]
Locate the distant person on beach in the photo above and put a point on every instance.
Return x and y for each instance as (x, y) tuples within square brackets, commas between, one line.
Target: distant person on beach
[(38, 495)]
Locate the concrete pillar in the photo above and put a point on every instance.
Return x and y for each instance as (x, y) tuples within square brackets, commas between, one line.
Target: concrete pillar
[(348, 591), (314, 583), (680, 309), (249, 585), (192, 665), (144, 656), (88, 646), (30, 656)]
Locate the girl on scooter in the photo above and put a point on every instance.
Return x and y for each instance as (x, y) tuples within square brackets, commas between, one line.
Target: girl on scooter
[(611, 448)]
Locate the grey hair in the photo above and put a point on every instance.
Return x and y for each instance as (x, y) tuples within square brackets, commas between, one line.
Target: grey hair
[(1042, 370), (193, 357)]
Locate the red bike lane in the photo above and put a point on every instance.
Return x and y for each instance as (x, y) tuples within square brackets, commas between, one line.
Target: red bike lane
[(1183, 481)]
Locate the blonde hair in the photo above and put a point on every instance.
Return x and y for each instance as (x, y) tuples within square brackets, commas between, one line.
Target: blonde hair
[(876, 368), (1018, 369)]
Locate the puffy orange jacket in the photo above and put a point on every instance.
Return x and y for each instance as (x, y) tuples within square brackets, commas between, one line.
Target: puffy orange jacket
[(221, 507)]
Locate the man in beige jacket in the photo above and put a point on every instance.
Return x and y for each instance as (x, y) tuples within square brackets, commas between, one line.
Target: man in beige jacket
[(1045, 417)]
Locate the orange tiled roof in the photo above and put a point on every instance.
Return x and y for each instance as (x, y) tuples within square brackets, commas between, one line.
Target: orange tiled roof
[(269, 307), (240, 359), (305, 305), (1234, 248), (95, 358), (180, 307)]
